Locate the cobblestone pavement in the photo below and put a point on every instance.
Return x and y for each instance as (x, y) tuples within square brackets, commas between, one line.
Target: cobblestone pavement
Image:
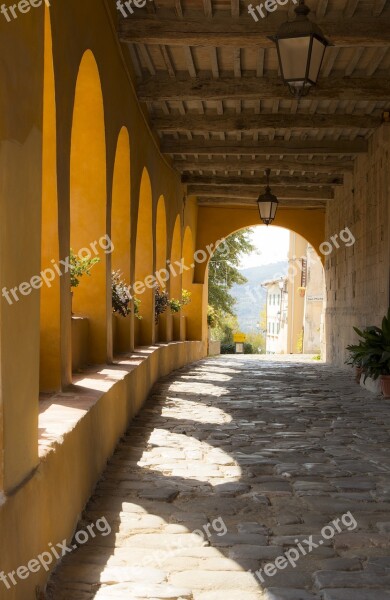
[(258, 456)]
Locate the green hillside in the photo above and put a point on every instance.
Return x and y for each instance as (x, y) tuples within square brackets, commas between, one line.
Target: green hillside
[(250, 297)]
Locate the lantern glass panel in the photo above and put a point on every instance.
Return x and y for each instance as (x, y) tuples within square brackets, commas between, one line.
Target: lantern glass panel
[(317, 56), (265, 209), (294, 54), (273, 209)]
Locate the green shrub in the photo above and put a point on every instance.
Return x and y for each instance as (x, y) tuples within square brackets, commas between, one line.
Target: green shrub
[(228, 348), (161, 302), (79, 267), (120, 294)]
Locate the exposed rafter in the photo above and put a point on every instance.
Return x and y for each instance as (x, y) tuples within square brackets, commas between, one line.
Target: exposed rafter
[(264, 147), (240, 191), (255, 88), (250, 203), (244, 32), (286, 180), (287, 164), (251, 122)]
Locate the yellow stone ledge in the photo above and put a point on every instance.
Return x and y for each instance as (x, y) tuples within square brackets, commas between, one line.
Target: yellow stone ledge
[(78, 432)]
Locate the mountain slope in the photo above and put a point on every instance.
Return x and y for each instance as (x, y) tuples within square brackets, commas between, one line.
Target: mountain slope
[(250, 297)]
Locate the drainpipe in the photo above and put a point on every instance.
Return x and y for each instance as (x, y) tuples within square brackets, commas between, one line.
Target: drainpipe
[(292, 301)]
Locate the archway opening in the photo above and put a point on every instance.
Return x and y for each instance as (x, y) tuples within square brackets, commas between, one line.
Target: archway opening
[(91, 303), (144, 280), (121, 238), (162, 333), (267, 294), (175, 280)]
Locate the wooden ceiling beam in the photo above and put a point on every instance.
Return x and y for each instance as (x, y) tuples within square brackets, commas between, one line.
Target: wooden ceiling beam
[(280, 180), (252, 122), (244, 32), (292, 203), (261, 88), (310, 166), (278, 147), (239, 191)]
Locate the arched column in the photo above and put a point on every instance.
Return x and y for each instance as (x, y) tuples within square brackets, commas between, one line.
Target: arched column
[(88, 211), (143, 286), (193, 312), (21, 101), (175, 279), (50, 338), (161, 265), (120, 233)]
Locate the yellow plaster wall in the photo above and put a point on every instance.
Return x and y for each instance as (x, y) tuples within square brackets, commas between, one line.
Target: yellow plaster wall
[(217, 223), (21, 124), (44, 498), (47, 508)]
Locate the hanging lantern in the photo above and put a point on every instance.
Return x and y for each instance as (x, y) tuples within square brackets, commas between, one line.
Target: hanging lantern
[(301, 47), (267, 203)]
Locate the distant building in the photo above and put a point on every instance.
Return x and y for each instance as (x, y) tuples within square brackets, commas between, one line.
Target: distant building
[(277, 306), (295, 304), (313, 326)]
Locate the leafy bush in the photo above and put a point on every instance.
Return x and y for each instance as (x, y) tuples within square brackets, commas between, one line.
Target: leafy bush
[(79, 267), (137, 303), (212, 317), (161, 302), (120, 294), (231, 349), (176, 305), (228, 348), (121, 298), (372, 353)]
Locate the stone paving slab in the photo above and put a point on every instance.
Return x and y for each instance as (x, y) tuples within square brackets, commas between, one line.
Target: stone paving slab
[(234, 464)]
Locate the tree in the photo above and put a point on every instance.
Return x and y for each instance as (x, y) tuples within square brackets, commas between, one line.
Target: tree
[(224, 273)]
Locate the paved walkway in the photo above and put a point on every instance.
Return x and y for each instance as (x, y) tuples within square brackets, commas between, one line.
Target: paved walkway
[(256, 456)]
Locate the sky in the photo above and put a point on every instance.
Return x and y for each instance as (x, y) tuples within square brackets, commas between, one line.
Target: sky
[(272, 246)]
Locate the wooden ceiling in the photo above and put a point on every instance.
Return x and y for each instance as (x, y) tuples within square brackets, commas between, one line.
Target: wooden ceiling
[(209, 76)]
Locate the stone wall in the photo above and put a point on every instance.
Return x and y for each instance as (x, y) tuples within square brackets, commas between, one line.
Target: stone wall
[(357, 276)]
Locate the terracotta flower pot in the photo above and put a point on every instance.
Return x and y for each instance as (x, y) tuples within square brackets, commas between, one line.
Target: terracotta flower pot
[(385, 385), (358, 374)]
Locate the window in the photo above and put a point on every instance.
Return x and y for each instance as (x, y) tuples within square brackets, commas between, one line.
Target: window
[(304, 272)]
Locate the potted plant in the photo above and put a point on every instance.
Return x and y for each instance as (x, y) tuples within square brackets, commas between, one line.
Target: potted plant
[(302, 291), (120, 295), (78, 268), (372, 353), (161, 302), (177, 305), (355, 359)]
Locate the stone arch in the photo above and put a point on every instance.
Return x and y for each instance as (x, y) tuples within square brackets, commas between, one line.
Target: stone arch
[(50, 328), (161, 263), (215, 224), (88, 204), (300, 260), (121, 233), (175, 280), (144, 286)]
